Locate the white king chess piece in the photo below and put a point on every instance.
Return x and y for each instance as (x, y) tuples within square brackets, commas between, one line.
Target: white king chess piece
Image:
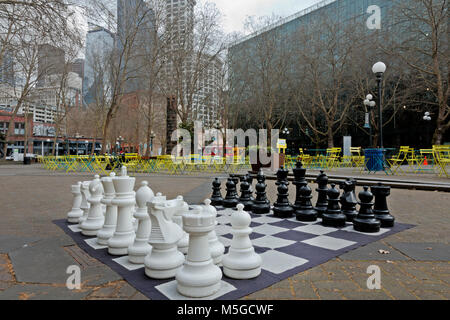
[(141, 248), (111, 211), (124, 200), (76, 213), (216, 247), (95, 219)]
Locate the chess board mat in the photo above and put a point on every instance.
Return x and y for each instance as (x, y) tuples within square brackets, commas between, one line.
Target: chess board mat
[(287, 247)]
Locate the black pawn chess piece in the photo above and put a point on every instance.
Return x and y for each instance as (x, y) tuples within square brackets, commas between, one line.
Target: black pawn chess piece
[(348, 199), (231, 201), (366, 221), (261, 205), (322, 190), (216, 198), (282, 208), (306, 212), (235, 179), (282, 176), (333, 217), (380, 209), (245, 198), (250, 182), (299, 182)]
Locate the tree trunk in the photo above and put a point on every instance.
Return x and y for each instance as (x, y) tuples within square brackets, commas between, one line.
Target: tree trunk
[(330, 136)]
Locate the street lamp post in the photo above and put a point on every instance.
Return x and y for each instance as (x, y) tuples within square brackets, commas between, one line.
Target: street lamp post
[(379, 69), (370, 105), (427, 120), (152, 136)]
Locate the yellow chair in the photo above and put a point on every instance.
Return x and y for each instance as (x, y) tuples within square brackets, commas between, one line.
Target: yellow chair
[(442, 156), (396, 161)]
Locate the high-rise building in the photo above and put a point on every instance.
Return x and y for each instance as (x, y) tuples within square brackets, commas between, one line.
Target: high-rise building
[(7, 70), (51, 63), (78, 67)]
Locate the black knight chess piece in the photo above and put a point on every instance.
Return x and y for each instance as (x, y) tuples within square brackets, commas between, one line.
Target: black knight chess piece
[(333, 217), (245, 198), (261, 205), (299, 182), (282, 208), (366, 221), (305, 212), (348, 199), (216, 198), (322, 190), (380, 209), (231, 201)]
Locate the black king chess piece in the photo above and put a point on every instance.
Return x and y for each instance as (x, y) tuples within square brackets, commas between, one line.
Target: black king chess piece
[(305, 212), (216, 198), (348, 199), (299, 182), (282, 208), (231, 201), (333, 217), (366, 221), (261, 205), (246, 198), (322, 190), (380, 209)]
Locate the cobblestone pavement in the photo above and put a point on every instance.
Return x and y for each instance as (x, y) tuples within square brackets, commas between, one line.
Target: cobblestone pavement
[(34, 253)]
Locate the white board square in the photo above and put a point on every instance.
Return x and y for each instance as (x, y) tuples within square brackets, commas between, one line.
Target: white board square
[(269, 230), (75, 228), (303, 222), (379, 233), (223, 219), (222, 230), (225, 241), (265, 219), (92, 242), (316, 229), (279, 262), (272, 242), (169, 289), (329, 243), (124, 262)]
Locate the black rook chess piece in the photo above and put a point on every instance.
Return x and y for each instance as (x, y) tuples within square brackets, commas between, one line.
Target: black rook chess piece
[(231, 201), (245, 198), (322, 190), (365, 221), (299, 182), (333, 217), (261, 205), (348, 199), (216, 198), (282, 208), (381, 210), (306, 212)]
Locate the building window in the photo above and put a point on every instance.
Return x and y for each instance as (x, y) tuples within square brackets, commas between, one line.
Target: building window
[(19, 129)]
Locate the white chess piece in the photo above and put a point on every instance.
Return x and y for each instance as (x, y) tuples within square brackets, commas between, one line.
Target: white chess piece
[(199, 277), (95, 219), (111, 211), (241, 262), (183, 244), (141, 248), (76, 213), (84, 203), (216, 247), (124, 200)]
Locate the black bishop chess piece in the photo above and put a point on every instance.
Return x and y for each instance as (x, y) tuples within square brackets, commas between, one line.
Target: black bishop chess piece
[(261, 204), (348, 199), (231, 200), (306, 211), (216, 198), (380, 209), (322, 190), (246, 198), (366, 221), (333, 217), (299, 182), (282, 208)]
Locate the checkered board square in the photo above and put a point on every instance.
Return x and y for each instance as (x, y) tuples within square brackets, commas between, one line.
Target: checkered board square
[(287, 247)]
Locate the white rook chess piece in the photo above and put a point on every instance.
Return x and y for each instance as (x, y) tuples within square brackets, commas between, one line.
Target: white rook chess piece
[(124, 200), (76, 213), (140, 248), (183, 244), (215, 246), (84, 203), (111, 211), (241, 262), (95, 219), (164, 260), (199, 277)]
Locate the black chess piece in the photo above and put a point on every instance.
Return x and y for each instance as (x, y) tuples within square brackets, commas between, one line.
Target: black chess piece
[(306, 212), (282, 208), (235, 179), (249, 179), (231, 201), (366, 221), (348, 199), (245, 198), (333, 217), (380, 209), (299, 182), (322, 190), (261, 204), (282, 176), (216, 198)]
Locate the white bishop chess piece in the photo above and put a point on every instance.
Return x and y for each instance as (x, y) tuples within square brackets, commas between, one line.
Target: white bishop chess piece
[(111, 211), (199, 277), (95, 219), (140, 248), (183, 207), (215, 246), (84, 203), (124, 200), (241, 262), (76, 213)]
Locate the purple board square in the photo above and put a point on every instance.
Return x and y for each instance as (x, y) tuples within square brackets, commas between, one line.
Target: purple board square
[(287, 224), (294, 235), (253, 236)]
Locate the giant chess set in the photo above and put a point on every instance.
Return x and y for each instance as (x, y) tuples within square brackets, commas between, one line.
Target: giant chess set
[(227, 247)]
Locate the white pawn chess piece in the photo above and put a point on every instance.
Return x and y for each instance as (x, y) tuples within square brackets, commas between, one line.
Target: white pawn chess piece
[(95, 219), (124, 200), (165, 259), (183, 244), (140, 248), (199, 277), (84, 203), (76, 213), (111, 211), (215, 246), (241, 262)]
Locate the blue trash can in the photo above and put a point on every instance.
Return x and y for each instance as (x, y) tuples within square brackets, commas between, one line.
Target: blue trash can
[(375, 159)]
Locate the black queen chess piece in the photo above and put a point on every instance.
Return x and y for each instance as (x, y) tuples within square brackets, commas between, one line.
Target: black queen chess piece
[(305, 212), (333, 217), (366, 221), (299, 182), (231, 199), (216, 198), (348, 199), (380, 209), (322, 190), (246, 198), (282, 208), (261, 205)]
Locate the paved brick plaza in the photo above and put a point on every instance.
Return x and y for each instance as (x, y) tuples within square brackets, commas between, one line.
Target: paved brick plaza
[(34, 253)]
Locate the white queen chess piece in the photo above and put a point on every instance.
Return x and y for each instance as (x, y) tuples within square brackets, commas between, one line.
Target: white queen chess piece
[(124, 200), (141, 248), (76, 213), (241, 262), (84, 203), (199, 277), (183, 244), (95, 219), (216, 247), (111, 211)]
